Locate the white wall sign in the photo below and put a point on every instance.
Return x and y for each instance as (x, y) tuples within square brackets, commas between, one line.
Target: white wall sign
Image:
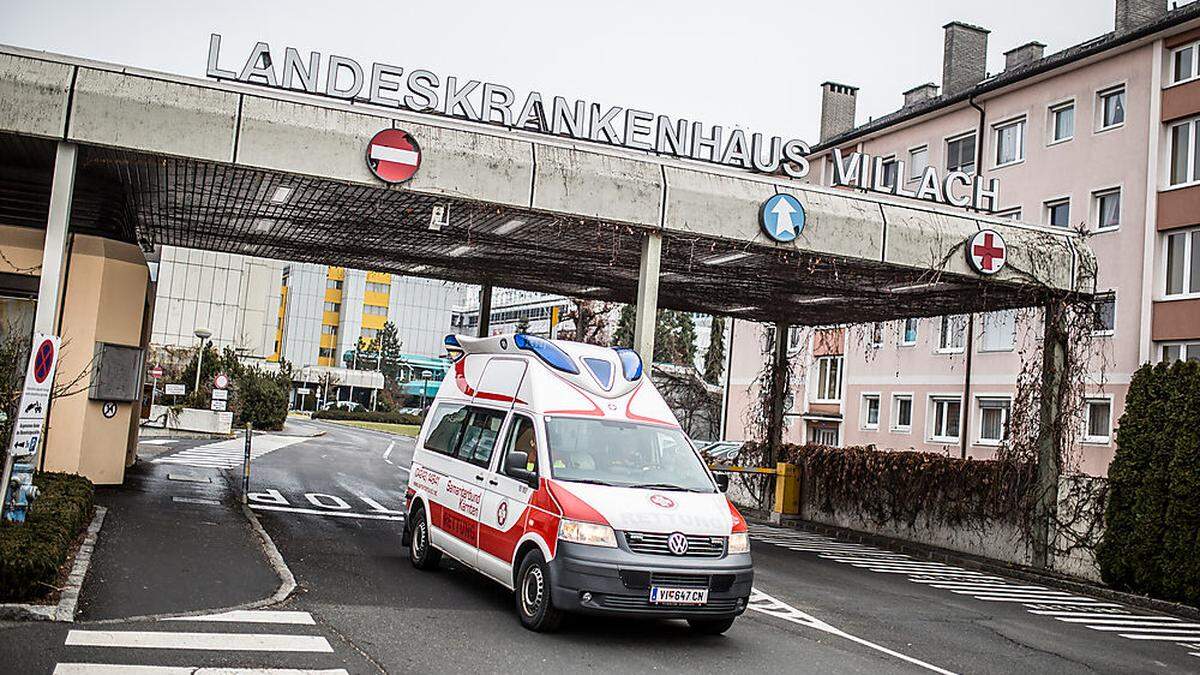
[(218, 405), (220, 394), (175, 389), (955, 189)]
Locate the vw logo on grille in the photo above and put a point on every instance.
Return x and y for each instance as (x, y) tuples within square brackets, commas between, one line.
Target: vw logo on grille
[(677, 543)]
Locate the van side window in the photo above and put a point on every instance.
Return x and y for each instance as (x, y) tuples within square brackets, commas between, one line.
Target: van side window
[(447, 424), (521, 438), (479, 436)]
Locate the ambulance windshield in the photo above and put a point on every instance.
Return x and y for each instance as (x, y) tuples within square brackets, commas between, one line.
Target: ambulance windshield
[(624, 454)]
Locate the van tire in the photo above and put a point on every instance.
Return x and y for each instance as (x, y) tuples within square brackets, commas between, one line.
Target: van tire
[(710, 626), (535, 606), (421, 552)]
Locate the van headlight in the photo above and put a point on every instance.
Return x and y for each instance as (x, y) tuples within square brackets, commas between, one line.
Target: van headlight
[(739, 542), (579, 532)]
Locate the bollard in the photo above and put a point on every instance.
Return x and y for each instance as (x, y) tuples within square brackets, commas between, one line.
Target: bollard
[(787, 490), (246, 467)]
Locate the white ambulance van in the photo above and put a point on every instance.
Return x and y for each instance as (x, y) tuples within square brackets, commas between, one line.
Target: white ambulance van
[(558, 470)]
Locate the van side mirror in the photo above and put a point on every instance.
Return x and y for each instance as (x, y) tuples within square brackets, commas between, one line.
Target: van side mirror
[(722, 481), (515, 464)]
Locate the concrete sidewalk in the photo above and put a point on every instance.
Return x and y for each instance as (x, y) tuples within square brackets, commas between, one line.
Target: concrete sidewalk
[(171, 546)]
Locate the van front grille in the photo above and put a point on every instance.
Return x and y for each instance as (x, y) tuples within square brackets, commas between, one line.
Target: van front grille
[(655, 543)]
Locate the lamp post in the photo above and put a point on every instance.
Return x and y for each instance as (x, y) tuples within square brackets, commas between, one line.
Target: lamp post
[(203, 334), (425, 375)]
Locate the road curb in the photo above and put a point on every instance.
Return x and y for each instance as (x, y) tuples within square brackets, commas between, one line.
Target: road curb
[(68, 599), (287, 582), (1022, 572)]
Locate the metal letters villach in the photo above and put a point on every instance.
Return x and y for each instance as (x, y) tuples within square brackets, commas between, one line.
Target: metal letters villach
[(423, 91)]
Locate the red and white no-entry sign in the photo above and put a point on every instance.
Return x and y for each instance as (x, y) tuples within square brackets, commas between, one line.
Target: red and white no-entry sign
[(156, 372), (987, 252), (393, 156)]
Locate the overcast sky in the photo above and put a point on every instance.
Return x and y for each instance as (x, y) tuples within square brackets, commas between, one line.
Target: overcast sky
[(757, 64)]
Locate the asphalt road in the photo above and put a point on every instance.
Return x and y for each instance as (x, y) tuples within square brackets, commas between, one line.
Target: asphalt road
[(331, 503)]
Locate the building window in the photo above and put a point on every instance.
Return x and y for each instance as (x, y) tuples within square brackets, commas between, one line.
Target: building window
[(376, 287), (877, 335), (326, 329), (325, 352), (918, 161), (999, 331), (1010, 142), (794, 336), (902, 413), (335, 284), (1184, 152), (369, 334), (1179, 351), (870, 406), (1011, 214), (333, 307), (375, 310), (888, 168), (993, 420), (1183, 263), (1111, 107), (909, 336), (1058, 213), (947, 414), (952, 336), (1062, 122), (1104, 313), (1107, 207), (960, 154), (821, 434), (1183, 63), (1097, 425), (829, 378)]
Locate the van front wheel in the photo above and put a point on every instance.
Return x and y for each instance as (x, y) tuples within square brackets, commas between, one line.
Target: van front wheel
[(534, 605), (421, 553)]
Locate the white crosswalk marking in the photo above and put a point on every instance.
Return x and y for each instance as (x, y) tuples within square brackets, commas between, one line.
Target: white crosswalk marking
[(1090, 613), (246, 642), (230, 453), (110, 669), (253, 616)]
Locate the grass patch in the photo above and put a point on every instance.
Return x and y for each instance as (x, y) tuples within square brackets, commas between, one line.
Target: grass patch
[(386, 427), (31, 554)]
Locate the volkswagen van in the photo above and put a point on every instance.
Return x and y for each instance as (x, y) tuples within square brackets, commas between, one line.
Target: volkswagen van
[(556, 469)]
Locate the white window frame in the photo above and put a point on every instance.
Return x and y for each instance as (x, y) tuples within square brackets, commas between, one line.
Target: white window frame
[(1013, 214), (914, 175), (1108, 332), (1195, 47), (983, 348), (1104, 93), (1193, 170), (891, 159), (817, 390), (904, 332), (1087, 420), (1052, 202), (894, 409), (1021, 124), (958, 137), (1182, 344), (1052, 111), (943, 323), (865, 423), (1188, 238), (1095, 215), (979, 400), (875, 335), (931, 417)]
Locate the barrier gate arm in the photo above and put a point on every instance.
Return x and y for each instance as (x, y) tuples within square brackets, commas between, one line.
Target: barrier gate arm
[(787, 484)]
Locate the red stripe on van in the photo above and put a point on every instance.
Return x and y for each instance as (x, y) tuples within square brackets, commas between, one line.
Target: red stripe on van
[(638, 418), (739, 523), (460, 378), (573, 507)]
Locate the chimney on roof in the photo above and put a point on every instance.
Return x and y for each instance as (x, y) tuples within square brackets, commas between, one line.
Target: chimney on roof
[(1134, 13), (921, 92), (964, 57), (1023, 55), (837, 109)]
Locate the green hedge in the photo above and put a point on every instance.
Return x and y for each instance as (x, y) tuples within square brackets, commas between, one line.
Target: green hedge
[(1151, 543), (909, 488), (367, 416), (31, 554)]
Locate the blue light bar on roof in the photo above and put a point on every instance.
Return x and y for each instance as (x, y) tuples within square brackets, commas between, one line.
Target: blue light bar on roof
[(631, 363), (547, 352), (453, 349)]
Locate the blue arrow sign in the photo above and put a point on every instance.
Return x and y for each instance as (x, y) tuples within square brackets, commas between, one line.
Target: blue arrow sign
[(782, 218)]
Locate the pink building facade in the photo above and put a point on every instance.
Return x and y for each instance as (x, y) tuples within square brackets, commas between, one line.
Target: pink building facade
[(1101, 136)]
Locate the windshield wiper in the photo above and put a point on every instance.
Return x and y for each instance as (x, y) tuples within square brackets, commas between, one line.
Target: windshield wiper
[(589, 481), (664, 486)]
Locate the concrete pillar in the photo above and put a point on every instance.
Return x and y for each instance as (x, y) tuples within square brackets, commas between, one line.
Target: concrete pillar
[(646, 313), (485, 310), (1050, 431), (54, 250)]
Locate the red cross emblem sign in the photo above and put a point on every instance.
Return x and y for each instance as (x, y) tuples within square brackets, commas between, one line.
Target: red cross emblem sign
[(987, 252), (393, 156)]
